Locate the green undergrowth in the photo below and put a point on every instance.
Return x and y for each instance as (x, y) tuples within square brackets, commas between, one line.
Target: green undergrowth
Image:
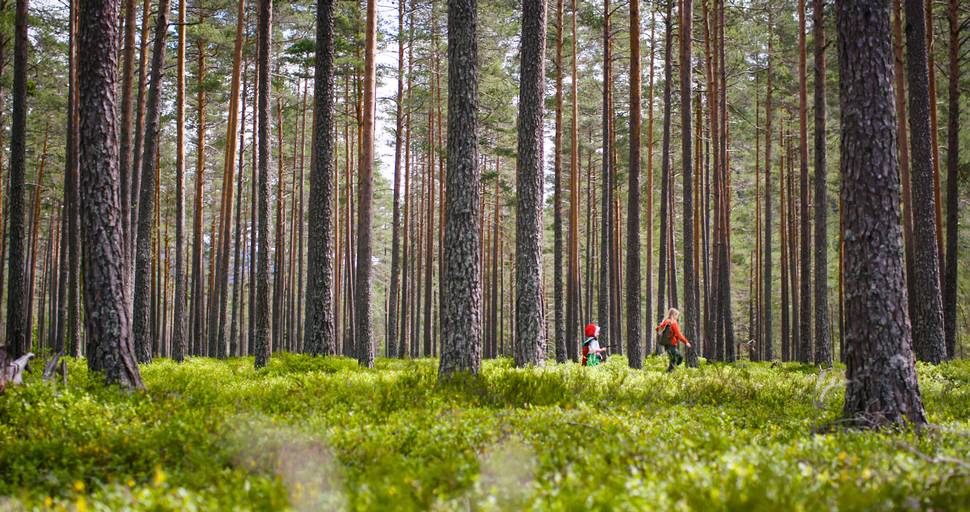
[(322, 434)]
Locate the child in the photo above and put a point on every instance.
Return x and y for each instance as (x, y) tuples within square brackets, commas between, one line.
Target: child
[(592, 353), (670, 336)]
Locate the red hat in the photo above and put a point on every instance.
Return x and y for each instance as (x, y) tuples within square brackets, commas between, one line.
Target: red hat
[(591, 330)]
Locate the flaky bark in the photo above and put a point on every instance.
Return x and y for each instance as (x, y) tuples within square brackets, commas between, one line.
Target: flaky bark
[(17, 335), (927, 302), (320, 336), (365, 185), (529, 321), (264, 30), (881, 385), (633, 345), (146, 212), (107, 319), (461, 279), (823, 342)]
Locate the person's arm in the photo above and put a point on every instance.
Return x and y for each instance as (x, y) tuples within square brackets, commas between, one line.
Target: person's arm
[(677, 334), (661, 326)]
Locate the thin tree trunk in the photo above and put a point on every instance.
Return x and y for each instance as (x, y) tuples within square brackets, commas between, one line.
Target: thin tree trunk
[(559, 318), (665, 193), (952, 181), (633, 321), (768, 278), (902, 128), (926, 307), (146, 210), (365, 180), (805, 241), (264, 31), (604, 309), (823, 343), (691, 301)]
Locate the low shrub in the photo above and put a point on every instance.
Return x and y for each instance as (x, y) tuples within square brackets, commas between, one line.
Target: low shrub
[(312, 433)]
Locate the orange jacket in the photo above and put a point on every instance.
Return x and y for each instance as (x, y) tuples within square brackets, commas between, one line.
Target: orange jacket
[(674, 329)]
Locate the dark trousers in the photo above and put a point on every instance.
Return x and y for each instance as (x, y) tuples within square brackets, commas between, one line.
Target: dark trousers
[(675, 357)]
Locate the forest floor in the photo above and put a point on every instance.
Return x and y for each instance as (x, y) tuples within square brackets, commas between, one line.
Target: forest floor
[(321, 434)]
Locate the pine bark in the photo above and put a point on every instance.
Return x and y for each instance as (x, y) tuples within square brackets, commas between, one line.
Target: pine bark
[(17, 335), (320, 336), (146, 212), (604, 293), (633, 320), (927, 302), (573, 298), (529, 335), (107, 319), (805, 273), (823, 342), (461, 285), (691, 301), (952, 181), (881, 384), (559, 318), (179, 348), (264, 31), (365, 184)]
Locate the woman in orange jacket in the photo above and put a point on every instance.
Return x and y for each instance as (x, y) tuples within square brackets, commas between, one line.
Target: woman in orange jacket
[(670, 336)]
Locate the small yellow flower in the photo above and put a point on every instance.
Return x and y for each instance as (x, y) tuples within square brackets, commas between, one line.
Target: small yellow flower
[(160, 476), (130, 482), (866, 474), (48, 502), (842, 456), (79, 486)]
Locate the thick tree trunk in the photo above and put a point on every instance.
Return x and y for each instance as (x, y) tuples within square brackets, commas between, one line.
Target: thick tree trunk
[(107, 320), (881, 380), (927, 302), (320, 336), (146, 211), (393, 302), (529, 335), (461, 285), (823, 342)]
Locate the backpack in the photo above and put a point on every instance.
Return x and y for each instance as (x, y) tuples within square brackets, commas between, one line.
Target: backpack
[(666, 339)]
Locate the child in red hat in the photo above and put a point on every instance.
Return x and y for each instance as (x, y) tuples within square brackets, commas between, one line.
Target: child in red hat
[(592, 353)]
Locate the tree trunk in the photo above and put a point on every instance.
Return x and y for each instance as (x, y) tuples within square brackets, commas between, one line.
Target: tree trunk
[(559, 319), (573, 299), (665, 169), (805, 274), (461, 285), (127, 104), (146, 211), (529, 335), (17, 336), (179, 349), (881, 384), (902, 128), (823, 343), (603, 305), (691, 300), (264, 31), (393, 302), (633, 321), (319, 331), (952, 181), (134, 187), (107, 320), (365, 184), (198, 276), (927, 302)]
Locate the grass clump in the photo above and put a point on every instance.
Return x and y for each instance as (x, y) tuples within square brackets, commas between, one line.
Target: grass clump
[(322, 434)]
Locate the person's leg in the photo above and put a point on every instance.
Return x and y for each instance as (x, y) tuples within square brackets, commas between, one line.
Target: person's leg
[(672, 357)]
